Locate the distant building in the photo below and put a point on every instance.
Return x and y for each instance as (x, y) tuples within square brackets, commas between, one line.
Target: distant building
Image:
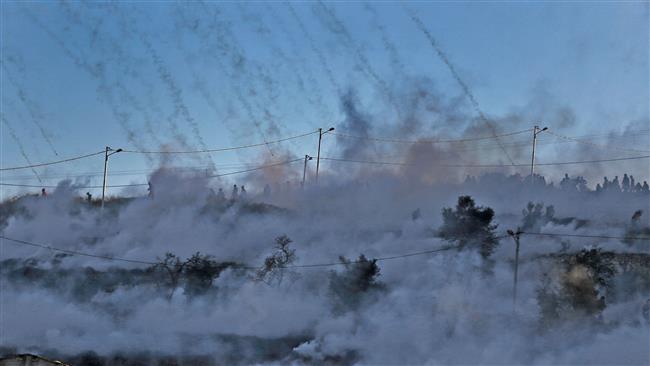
[(28, 360)]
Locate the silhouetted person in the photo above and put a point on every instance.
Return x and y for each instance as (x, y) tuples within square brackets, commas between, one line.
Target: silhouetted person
[(243, 194), (645, 310), (150, 189), (89, 197), (638, 187), (605, 184), (235, 192), (220, 195), (43, 193), (615, 185), (598, 188), (632, 186), (646, 188), (626, 183)]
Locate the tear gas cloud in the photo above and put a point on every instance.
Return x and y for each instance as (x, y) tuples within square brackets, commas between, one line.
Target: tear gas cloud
[(400, 254)]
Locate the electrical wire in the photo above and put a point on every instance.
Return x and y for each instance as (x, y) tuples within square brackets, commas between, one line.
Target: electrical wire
[(588, 236), (52, 162), (398, 141), (221, 149), (594, 144), (486, 165), (145, 184), (74, 252), (315, 265)]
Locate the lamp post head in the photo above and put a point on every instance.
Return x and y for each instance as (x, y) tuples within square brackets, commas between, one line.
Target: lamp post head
[(331, 129), (544, 129), (118, 150)]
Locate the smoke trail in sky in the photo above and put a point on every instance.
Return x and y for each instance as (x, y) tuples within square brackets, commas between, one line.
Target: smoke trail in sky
[(264, 32), (97, 71), (175, 92), (319, 55), (114, 51), (390, 47), (30, 105), (364, 63), (215, 44), (20, 145), (456, 76)]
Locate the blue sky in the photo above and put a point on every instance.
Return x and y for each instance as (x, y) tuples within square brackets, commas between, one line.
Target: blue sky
[(589, 57)]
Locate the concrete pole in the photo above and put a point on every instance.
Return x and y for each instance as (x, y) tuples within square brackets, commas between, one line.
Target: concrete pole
[(320, 138), (105, 169)]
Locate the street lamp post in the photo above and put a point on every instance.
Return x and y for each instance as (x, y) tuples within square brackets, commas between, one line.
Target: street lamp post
[(108, 152), (304, 170), (536, 131), (515, 236), (320, 138)]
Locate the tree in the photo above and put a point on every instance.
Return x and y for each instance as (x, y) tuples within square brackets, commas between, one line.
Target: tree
[(359, 278), (200, 272), (469, 226), (172, 266), (274, 267)]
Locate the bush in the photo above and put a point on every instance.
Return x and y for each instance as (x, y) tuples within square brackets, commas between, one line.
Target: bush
[(469, 226)]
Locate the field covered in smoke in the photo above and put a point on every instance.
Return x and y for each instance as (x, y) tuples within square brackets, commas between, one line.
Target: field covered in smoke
[(291, 276), (402, 250)]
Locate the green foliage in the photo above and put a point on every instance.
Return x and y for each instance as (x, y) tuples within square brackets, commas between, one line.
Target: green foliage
[(274, 268), (349, 288), (469, 226)]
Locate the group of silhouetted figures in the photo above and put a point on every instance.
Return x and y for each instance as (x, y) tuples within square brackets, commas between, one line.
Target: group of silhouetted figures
[(627, 184)]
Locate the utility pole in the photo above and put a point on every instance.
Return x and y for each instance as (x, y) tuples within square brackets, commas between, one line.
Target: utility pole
[(106, 155), (304, 170), (536, 130), (320, 138), (515, 236)]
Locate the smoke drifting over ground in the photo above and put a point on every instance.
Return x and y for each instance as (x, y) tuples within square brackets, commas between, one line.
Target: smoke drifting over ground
[(241, 300), (400, 254)]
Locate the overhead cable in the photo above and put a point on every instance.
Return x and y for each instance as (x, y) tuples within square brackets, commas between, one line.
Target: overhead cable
[(594, 144), (398, 141), (485, 165), (52, 162), (313, 265), (220, 149), (145, 184)]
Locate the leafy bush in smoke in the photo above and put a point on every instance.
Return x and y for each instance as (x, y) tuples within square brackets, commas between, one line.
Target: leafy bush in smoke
[(577, 289), (535, 216), (196, 274), (350, 287), (274, 268), (469, 226), (636, 229), (200, 271)]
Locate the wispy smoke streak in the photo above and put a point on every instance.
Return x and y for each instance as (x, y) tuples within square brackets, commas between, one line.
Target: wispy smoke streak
[(20, 145), (97, 72), (364, 63), (215, 44), (456, 76), (32, 108), (390, 47), (319, 55)]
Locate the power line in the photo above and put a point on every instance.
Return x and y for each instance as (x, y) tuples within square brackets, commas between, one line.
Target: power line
[(486, 165), (52, 162), (315, 265), (145, 184), (594, 144), (74, 252), (588, 236), (221, 149), (398, 141)]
